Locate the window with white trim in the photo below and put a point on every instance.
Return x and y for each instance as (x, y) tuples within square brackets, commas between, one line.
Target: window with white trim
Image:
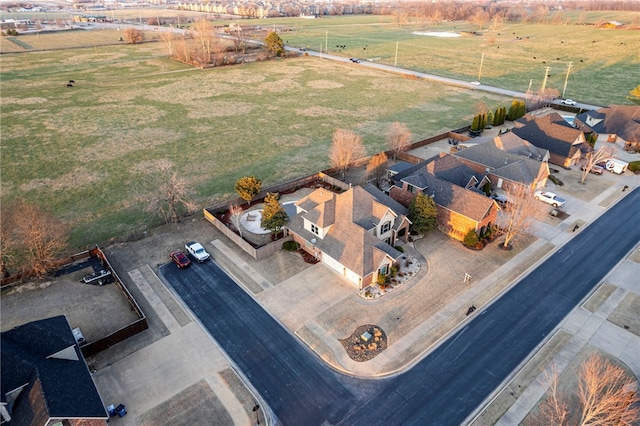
[(386, 227)]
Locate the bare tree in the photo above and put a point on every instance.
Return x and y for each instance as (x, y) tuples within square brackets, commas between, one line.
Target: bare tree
[(173, 196), (376, 168), (133, 35), (346, 148), (235, 214), (204, 34), (519, 213), (39, 238), (398, 138), (605, 395), (592, 158), (240, 40), (169, 40)]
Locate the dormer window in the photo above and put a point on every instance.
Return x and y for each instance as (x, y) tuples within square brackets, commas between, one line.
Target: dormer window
[(314, 229)]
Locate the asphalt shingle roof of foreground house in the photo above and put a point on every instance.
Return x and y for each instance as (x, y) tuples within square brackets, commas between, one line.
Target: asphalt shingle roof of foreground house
[(44, 353)]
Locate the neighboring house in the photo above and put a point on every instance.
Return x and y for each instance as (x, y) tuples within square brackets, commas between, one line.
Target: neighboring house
[(507, 160), (617, 122), (353, 232), (565, 143), (456, 190), (45, 380)]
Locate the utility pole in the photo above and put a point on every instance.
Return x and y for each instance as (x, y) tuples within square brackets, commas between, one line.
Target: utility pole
[(546, 74), (326, 41), (481, 62), (566, 79), (395, 63)]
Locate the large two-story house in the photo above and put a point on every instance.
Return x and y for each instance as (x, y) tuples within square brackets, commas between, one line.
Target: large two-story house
[(615, 123), (353, 232), (456, 190), (565, 143)]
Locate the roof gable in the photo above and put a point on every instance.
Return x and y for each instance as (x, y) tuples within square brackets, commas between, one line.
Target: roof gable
[(34, 351), (621, 120), (550, 132)]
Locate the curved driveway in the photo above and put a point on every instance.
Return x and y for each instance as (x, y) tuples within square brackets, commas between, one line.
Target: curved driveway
[(446, 386)]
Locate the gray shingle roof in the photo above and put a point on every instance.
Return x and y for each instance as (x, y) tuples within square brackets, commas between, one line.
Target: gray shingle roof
[(68, 389), (622, 120), (348, 239), (502, 163), (550, 132), (455, 198), (454, 170)]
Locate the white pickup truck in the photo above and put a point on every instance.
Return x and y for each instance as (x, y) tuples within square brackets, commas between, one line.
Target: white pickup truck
[(549, 198), (197, 251)]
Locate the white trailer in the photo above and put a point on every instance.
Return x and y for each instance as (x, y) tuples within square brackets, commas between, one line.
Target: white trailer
[(616, 166)]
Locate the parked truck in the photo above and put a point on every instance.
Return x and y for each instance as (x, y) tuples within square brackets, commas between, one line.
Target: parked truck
[(616, 166)]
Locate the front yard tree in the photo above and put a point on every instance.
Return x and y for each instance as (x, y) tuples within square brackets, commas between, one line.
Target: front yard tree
[(274, 216), (519, 213), (376, 168), (592, 158), (423, 214), (40, 238), (605, 395), (346, 148), (248, 187), (274, 44), (398, 138)]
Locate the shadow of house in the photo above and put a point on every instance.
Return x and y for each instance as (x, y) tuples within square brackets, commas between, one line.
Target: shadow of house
[(565, 143), (45, 379), (353, 232), (617, 122)]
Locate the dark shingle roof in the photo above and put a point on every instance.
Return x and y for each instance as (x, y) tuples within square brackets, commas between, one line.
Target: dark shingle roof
[(400, 166), (501, 163), (622, 120), (455, 198), (550, 132), (454, 170), (68, 389), (383, 198)]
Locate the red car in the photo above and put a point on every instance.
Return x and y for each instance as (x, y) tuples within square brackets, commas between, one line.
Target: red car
[(180, 259)]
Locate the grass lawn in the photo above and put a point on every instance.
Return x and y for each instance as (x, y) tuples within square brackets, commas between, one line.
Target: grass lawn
[(89, 153)]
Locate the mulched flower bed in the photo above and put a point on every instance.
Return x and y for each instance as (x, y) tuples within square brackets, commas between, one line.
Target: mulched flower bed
[(360, 350), (307, 257)]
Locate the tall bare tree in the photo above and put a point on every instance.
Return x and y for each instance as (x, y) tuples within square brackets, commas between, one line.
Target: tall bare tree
[(173, 196), (605, 395), (519, 213), (206, 38), (376, 168), (592, 158), (39, 238), (235, 216), (346, 148), (398, 138), (169, 39), (240, 40)]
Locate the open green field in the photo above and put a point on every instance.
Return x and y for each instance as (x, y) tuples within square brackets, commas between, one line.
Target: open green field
[(89, 153)]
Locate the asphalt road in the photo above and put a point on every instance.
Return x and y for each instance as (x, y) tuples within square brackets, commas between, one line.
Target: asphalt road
[(446, 386)]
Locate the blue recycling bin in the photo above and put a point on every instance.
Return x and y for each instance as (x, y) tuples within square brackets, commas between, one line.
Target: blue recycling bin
[(121, 410)]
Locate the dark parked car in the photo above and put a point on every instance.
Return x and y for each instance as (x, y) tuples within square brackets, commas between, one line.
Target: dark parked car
[(595, 169), (180, 259)]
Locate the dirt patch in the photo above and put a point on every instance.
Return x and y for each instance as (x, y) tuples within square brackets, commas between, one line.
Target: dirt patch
[(626, 314), (366, 342), (189, 407), (598, 298)]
